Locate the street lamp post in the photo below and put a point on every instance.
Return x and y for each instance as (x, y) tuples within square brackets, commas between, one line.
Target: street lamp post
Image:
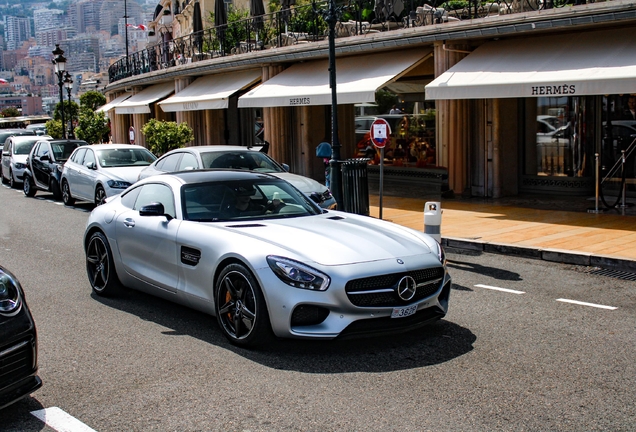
[(60, 65), (68, 83)]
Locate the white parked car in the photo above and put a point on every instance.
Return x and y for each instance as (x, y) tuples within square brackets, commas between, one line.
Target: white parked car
[(237, 157), (96, 172), (14, 157)]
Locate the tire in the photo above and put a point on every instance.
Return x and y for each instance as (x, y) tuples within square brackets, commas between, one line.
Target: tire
[(240, 307), (54, 187), (66, 194), (12, 183), (100, 196), (100, 267), (28, 187)]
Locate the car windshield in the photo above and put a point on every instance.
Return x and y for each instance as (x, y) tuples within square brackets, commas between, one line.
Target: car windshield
[(122, 157), (244, 201), (62, 151), (248, 160), (23, 148)]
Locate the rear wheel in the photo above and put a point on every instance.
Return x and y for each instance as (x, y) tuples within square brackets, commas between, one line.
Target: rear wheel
[(100, 196), (28, 187), (100, 267), (240, 307), (66, 194)]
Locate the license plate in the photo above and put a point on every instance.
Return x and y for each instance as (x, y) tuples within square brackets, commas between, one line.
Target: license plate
[(401, 312)]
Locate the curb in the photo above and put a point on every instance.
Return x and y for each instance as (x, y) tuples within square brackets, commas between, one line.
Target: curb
[(552, 255)]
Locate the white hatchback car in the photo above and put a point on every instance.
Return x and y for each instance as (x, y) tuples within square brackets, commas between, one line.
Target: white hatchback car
[(96, 172), (14, 157)]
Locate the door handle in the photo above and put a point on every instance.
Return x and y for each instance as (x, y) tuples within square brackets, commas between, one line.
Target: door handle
[(129, 223)]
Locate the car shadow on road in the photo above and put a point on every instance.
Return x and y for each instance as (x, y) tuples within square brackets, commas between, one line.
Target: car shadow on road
[(17, 417), (493, 272), (436, 343)]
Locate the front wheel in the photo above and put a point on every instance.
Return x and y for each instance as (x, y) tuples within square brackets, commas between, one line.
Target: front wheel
[(240, 307), (66, 194), (100, 267), (28, 187), (100, 196)]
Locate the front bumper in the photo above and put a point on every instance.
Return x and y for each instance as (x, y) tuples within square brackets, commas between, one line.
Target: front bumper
[(330, 314)]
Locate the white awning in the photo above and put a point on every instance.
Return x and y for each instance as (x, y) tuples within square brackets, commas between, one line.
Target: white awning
[(588, 63), (112, 104), (357, 79), (140, 102), (210, 92)]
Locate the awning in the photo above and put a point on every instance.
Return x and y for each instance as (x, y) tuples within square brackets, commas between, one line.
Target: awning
[(588, 63), (140, 102), (357, 79), (112, 104), (210, 92)]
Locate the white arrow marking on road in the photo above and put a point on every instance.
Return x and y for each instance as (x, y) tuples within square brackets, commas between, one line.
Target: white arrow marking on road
[(586, 304), (60, 420), (500, 289)]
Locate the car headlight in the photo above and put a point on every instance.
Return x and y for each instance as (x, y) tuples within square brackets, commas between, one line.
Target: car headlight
[(10, 299), (298, 275), (19, 165), (116, 184), (440, 253), (60, 168)]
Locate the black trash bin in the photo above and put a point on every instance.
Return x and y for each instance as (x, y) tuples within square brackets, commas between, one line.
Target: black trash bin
[(355, 186)]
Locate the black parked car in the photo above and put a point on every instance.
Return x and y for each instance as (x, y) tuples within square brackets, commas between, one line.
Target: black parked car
[(44, 166), (18, 343)]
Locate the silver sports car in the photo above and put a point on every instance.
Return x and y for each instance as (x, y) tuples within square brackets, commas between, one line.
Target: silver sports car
[(263, 258)]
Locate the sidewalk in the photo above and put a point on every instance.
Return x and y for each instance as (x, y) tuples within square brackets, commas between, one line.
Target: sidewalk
[(565, 232)]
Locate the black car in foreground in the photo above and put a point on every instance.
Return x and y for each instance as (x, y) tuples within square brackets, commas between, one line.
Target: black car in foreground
[(44, 165), (18, 343)]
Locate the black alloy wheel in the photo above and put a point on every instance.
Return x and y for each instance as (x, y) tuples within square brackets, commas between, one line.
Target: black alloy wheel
[(100, 267), (100, 195), (240, 307), (66, 194), (28, 187)]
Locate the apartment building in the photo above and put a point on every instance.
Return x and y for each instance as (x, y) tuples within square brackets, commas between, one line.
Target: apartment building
[(16, 31)]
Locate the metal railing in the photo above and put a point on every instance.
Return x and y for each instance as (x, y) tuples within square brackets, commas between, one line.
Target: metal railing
[(306, 24)]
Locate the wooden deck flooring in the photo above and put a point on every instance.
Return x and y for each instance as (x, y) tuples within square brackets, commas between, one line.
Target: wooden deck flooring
[(609, 235)]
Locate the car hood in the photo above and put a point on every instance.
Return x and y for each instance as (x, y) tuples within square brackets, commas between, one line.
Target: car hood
[(20, 158), (302, 183), (333, 239), (127, 174)]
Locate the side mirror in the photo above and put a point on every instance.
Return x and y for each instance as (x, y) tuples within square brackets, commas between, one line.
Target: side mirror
[(91, 165), (316, 197), (286, 167), (154, 209), (45, 158)]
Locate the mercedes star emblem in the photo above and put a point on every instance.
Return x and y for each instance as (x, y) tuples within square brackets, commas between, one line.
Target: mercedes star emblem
[(406, 288)]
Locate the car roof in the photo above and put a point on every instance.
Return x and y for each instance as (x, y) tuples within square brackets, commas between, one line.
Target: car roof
[(217, 174), (215, 148), (113, 146), (57, 141), (19, 138)]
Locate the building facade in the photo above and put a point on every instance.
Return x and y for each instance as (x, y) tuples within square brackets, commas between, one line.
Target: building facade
[(508, 102), (16, 31)]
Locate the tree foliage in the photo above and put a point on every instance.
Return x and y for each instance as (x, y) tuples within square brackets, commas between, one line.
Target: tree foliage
[(54, 128), (163, 136), (10, 112), (91, 126), (92, 99), (70, 111)]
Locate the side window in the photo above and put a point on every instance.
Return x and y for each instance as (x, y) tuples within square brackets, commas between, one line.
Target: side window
[(169, 163), (129, 198), (155, 192), (188, 161), (89, 157), (78, 157)]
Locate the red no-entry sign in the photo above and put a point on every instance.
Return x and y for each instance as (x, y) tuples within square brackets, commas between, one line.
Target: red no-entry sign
[(380, 132)]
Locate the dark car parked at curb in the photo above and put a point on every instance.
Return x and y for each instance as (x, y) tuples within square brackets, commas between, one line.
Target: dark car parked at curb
[(18, 343), (44, 166)]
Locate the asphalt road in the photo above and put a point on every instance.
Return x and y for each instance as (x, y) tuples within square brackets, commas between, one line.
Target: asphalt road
[(498, 361)]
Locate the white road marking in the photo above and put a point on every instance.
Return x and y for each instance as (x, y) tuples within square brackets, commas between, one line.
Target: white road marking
[(59, 420), (586, 304), (500, 289)]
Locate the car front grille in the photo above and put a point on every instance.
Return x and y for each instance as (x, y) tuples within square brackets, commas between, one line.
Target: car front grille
[(16, 361), (380, 291)]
